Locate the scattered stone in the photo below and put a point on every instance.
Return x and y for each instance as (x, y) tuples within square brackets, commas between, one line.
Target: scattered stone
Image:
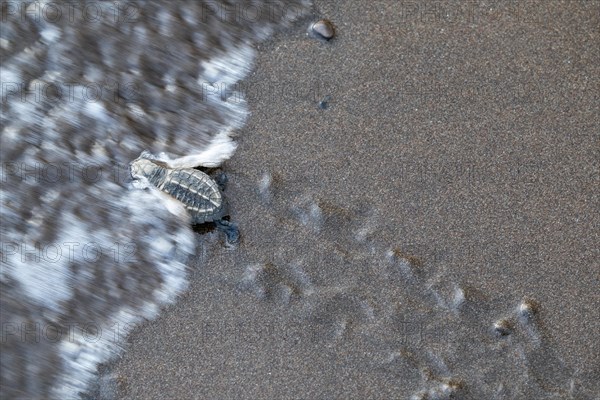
[(323, 29), (502, 327)]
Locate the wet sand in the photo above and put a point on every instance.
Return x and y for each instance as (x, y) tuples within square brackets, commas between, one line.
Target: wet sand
[(452, 176)]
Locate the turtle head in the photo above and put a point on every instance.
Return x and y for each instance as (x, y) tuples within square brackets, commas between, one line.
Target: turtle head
[(143, 168)]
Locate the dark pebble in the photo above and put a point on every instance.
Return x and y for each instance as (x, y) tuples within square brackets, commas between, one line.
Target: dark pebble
[(323, 104)]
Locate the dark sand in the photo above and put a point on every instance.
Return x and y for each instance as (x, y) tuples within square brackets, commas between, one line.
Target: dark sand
[(464, 140)]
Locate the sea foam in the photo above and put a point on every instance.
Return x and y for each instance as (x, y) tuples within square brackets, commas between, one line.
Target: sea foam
[(85, 257)]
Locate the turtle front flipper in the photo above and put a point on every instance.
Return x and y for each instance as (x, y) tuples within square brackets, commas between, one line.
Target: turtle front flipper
[(221, 179)]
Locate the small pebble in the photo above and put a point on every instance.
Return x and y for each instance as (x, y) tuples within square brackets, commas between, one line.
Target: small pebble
[(502, 327), (323, 104), (323, 29)]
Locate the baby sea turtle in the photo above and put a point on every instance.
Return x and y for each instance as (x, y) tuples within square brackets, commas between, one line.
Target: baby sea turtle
[(196, 191)]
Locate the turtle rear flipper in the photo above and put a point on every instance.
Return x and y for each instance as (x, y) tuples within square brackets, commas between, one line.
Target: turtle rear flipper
[(230, 229)]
